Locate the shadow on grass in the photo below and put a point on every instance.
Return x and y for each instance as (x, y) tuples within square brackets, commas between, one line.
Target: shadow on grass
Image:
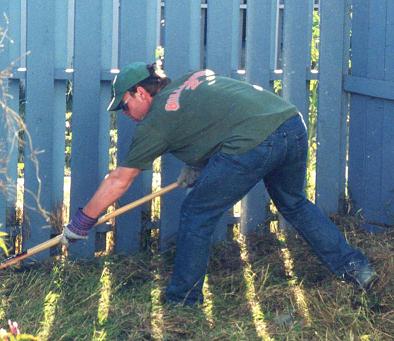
[(229, 295)]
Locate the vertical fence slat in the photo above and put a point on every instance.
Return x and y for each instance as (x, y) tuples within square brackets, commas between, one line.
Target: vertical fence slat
[(39, 121), (260, 27), (138, 21), (222, 53), (60, 63), (139, 26), (182, 32), (105, 87), (4, 139), (182, 54), (86, 144), (222, 56), (367, 113), (375, 111), (10, 147), (371, 132), (297, 34), (331, 123), (14, 32), (14, 52), (388, 124), (106, 56), (357, 127)]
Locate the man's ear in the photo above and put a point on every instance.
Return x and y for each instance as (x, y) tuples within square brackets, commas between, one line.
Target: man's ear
[(142, 92)]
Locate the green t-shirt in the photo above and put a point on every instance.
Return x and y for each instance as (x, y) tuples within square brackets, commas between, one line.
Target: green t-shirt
[(201, 113)]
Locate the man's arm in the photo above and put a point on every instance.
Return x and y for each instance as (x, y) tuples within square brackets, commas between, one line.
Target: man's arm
[(114, 185), (111, 189)]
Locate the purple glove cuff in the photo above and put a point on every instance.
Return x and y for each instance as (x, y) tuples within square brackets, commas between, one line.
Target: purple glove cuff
[(81, 223)]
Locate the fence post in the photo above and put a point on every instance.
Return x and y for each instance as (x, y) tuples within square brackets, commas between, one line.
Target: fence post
[(259, 51), (8, 59), (86, 143), (371, 123), (331, 123), (223, 36), (137, 43), (182, 54), (4, 134), (297, 36), (38, 152)]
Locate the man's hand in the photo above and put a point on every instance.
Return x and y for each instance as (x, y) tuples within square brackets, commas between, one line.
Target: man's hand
[(79, 226), (188, 176)]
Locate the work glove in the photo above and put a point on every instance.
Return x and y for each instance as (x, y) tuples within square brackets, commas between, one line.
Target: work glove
[(78, 227), (188, 176)]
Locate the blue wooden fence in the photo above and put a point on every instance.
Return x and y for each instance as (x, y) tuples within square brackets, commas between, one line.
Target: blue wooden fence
[(50, 43), (371, 83)]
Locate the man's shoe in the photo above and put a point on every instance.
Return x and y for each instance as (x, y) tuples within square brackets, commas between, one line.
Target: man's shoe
[(361, 274)]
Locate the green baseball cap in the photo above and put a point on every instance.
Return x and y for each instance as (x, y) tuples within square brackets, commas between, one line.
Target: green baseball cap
[(128, 76)]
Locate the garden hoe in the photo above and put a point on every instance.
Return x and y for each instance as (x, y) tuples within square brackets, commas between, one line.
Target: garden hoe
[(58, 239)]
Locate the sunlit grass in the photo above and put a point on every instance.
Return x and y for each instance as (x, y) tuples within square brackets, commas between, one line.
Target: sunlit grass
[(157, 322), (52, 300), (249, 278), (104, 303), (296, 287), (50, 305), (337, 312), (208, 303), (157, 313)]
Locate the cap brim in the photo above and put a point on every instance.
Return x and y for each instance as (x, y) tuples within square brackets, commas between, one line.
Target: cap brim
[(115, 104)]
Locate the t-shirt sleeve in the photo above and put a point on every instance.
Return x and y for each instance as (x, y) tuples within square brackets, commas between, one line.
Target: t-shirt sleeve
[(147, 144)]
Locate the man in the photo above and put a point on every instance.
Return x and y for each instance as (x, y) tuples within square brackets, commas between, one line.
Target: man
[(236, 135)]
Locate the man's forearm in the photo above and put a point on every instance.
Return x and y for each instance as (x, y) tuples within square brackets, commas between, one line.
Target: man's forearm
[(111, 189)]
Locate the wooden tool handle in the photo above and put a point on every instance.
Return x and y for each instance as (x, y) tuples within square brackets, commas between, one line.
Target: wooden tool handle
[(136, 203), (56, 240)]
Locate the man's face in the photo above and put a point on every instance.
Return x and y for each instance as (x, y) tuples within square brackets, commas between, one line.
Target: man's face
[(137, 105)]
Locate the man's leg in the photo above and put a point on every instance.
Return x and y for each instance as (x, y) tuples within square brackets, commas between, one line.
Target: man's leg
[(223, 182), (286, 187)]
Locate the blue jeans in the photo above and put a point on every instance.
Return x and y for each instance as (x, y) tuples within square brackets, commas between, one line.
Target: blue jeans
[(280, 160)]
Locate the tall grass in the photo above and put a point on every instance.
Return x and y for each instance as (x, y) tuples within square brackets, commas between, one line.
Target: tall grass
[(251, 294)]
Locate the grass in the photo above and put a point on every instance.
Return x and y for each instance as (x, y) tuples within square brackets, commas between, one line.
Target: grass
[(267, 286)]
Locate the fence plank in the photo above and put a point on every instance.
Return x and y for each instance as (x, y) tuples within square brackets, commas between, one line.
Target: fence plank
[(222, 56), (367, 114), (8, 59), (107, 17), (4, 62), (182, 36), (139, 32), (388, 124), (182, 54), (296, 48), (375, 113), (371, 124), (86, 144), (39, 121), (11, 152), (260, 45), (59, 99), (357, 126), (223, 36), (296, 53), (331, 123), (138, 22)]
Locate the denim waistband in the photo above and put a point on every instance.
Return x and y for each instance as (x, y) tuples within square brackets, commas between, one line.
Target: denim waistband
[(292, 123)]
